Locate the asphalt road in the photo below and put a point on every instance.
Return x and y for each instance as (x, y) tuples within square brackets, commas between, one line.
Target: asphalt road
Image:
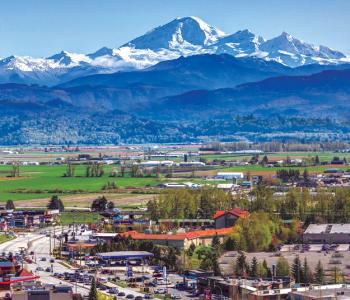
[(40, 244)]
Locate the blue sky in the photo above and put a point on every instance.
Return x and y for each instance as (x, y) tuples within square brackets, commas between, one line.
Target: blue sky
[(44, 27)]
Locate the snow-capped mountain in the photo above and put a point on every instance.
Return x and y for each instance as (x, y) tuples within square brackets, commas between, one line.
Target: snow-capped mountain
[(293, 52), (180, 37), (188, 32), (241, 43)]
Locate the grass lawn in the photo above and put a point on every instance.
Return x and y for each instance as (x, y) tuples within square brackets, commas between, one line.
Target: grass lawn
[(4, 238), (67, 218), (37, 182)]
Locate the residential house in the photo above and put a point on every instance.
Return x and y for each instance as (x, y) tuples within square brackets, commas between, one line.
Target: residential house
[(226, 219)]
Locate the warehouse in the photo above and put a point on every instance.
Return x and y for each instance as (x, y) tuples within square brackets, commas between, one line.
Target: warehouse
[(327, 233)]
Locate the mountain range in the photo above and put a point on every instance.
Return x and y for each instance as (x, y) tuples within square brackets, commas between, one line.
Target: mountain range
[(185, 81), (181, 37)]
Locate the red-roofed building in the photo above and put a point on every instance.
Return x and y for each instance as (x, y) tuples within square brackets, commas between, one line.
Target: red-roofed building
[(226, 219), (181, 240)]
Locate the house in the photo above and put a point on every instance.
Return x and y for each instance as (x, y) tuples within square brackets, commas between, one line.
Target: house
[(226, 219), (227, 187)]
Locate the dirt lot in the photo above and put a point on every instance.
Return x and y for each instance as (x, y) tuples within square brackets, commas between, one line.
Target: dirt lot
[(86, 200)]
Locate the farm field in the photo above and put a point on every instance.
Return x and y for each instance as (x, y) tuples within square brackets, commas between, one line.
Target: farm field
[(323, 156), (84, 200), (36, 182)]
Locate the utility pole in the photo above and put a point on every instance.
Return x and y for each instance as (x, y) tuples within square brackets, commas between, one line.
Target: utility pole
[(50, 244)]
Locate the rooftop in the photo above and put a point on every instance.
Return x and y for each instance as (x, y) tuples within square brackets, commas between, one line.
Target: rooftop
[(328, 228), (124, 254), (178, 236)]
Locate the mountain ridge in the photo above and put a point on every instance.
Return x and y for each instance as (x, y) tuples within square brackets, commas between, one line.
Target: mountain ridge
[(180, 37)]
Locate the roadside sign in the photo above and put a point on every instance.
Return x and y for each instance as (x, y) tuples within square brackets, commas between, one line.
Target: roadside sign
[(130, 272)]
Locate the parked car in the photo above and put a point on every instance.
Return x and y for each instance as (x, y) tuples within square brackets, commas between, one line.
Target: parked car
[(113, 291), (160, 291)]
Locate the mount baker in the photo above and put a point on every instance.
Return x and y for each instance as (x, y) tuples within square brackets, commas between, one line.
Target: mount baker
[(185, 36)]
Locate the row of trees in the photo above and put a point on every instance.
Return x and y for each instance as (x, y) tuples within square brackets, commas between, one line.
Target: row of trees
[(261, 232), (298, 203), (185, 203), (299, 271), (275, 146), (320, 206)]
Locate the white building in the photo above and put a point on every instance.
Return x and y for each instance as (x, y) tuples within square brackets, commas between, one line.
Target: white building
[(230, 175)]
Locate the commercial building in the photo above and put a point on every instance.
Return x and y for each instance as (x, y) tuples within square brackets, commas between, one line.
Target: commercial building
[(181, 240), (230, 175), (327, 233), (123, 257), (60, 292)]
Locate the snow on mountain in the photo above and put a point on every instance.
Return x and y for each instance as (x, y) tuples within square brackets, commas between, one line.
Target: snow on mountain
[(293, 52), (187, 32), (241, 43), (181, 37), (65, 58)]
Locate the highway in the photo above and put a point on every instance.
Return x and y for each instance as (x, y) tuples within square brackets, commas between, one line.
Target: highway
[(40, 245)]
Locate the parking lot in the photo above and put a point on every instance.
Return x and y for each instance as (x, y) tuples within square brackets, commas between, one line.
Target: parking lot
[(336, 255)]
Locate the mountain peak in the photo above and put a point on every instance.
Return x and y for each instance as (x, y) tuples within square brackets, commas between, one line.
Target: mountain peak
[(67, 58), (180, 32)]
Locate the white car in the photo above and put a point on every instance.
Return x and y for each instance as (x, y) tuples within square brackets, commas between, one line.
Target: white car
[(160, 291), (102, 279)]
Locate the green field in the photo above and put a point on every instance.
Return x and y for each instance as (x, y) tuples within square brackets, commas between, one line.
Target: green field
[(79, 217), (36, 182), (323, 156), (41, 182), (4, 238)]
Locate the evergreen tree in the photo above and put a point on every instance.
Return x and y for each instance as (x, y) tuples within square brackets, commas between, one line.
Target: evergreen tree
[(254, 268), (229, 244), (10, 205), (241, 264), (319, 273), (93, 290), (268, 270), (297, 270), (306, 272), (317, 160), (55, 203), (215, 244)]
